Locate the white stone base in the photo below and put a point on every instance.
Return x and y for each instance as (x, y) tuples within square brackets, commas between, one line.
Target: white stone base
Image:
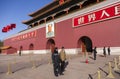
[(114, 51)]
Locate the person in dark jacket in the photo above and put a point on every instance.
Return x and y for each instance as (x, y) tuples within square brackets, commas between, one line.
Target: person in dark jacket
[(95, 53), (56, 62), (104, 51), (108, 50)]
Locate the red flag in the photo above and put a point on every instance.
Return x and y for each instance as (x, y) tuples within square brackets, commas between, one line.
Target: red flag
[(13, 26), (4, 29), (8, 27)]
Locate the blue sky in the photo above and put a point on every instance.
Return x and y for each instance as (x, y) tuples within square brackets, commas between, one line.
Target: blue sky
[(16, 11)]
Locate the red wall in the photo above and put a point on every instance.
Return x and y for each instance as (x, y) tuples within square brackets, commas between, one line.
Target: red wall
[(39, 41), (105, 33), (65, 34)]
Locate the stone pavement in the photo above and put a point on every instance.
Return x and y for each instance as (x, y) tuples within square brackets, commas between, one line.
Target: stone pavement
[(22, 67)]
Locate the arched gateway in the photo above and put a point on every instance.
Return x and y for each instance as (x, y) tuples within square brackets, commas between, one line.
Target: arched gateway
[(31, 46), (50, 44), (85, 43)]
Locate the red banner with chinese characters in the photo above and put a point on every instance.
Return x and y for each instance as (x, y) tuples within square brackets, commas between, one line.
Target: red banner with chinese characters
[(97, 15), (25, 36)]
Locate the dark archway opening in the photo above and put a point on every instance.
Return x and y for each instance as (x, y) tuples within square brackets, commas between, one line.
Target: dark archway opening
[(85, 43), (31, 46), (50, 44)]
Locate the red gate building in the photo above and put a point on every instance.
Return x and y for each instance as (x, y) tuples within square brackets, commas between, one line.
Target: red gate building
[(78, 25)]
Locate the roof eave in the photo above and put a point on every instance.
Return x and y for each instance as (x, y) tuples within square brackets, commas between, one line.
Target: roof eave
[(34, 13)]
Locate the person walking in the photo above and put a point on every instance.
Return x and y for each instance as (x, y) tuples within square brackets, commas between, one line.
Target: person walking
[(104, 51), (20, 52), (108, 50), (95, 53), (62, 59), (56, 62)]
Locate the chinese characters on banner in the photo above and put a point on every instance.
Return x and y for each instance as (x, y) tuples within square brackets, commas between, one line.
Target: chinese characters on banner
[(25, 36), (98, 15)]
